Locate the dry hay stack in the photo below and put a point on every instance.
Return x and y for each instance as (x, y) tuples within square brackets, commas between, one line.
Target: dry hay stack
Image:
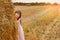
[(8, 28)]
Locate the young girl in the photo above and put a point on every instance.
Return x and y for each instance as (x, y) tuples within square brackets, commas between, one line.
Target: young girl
[(20, 29)]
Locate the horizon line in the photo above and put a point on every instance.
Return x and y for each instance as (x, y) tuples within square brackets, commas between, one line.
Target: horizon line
[(38, 2)]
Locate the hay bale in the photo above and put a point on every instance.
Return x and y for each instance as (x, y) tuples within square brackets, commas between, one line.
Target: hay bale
[(8, 28)]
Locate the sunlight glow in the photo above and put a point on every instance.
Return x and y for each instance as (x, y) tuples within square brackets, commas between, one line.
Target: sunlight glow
[(28, 1)]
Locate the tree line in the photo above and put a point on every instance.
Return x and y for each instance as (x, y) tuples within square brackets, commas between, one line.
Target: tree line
[(32, 4)]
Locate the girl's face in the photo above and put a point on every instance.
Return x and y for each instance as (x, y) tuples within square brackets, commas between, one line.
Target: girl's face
[(17, 15)]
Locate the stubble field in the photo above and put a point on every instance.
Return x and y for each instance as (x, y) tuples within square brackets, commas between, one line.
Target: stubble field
[(40, 22)]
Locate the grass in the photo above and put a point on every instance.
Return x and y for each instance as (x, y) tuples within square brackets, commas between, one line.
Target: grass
[(36, 21)]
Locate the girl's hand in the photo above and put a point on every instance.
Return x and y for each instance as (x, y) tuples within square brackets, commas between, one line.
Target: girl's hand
[(18, 21)]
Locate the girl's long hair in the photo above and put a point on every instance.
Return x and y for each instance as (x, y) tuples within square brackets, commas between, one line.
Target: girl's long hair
[(18, 12)]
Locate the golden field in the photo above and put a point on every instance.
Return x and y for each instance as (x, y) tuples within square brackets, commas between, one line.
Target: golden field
[(40, 22)]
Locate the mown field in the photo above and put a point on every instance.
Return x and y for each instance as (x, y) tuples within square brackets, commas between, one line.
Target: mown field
[(40, 22)]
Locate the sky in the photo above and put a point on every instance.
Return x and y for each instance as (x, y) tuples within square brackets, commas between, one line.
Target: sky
[(28, 1)]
